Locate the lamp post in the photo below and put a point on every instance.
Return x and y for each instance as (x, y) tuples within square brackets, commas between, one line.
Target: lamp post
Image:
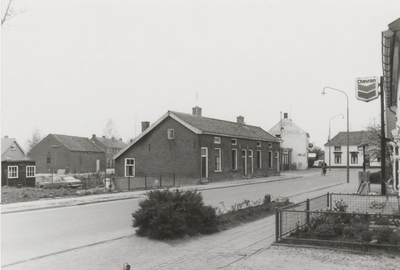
[(329, 138), (347, 156)]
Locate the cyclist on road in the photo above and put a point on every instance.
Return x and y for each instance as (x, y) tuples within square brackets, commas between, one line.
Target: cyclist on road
[(324, 166)]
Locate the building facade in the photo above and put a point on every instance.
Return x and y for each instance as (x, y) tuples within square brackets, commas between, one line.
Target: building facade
[(110, 146), (11, 150), (391, 87), (18, 173), (294, 145), (191, 149), (70, 153), (336, 151)]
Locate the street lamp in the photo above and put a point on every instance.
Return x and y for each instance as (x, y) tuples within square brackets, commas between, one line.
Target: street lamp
[(348, 140), (329, 138)]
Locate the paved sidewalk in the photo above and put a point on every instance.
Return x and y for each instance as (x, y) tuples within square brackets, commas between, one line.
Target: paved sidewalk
[(215, 251)]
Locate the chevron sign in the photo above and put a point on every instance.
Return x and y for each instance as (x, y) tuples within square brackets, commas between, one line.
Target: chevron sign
[(367, 88)]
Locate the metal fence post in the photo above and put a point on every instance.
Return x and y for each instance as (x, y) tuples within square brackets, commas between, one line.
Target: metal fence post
[(277, 224), (308, 209), (160, 181), (327, 200)]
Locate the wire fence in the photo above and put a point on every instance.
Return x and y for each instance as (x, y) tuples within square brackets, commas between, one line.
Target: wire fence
[(321, 218)]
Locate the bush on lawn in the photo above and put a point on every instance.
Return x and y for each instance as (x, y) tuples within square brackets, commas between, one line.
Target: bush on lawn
[(166, 214)]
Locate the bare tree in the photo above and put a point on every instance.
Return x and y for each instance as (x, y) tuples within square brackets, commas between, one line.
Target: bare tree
[(35, 139), (110, 131), (11, 9), (373, 148)]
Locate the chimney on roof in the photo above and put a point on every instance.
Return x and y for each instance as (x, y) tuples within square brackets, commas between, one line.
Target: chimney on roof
[(5, 137), (285, 115), (240, 120), (196, 111), (104, 136), (93, 136), (145, 125)]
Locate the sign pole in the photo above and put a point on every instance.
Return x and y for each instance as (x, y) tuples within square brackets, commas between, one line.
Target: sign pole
[(383, 140)]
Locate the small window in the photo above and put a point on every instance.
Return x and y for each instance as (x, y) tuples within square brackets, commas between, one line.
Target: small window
[(338, 148), (12, 172), (129, 167), (234, 142), (269, 145), (30, 171), (13, 147), (258, 144), (217, 140), (171, 134)]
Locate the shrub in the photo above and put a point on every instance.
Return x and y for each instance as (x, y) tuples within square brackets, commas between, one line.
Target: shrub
[(381, 220), (325, 230), (166, 214), (383, 234), (395, 238)]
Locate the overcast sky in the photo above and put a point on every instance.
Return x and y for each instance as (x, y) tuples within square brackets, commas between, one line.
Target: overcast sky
[(68, 67)]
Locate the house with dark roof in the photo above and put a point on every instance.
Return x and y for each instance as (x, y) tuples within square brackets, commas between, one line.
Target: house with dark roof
[(111, 146), (11, 150), (336, 150), (189, 149), (70, 153)]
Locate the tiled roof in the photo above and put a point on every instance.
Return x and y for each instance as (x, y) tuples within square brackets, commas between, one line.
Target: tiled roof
[(111, 143), (224, 128), (74, 143), (355, 138), (204, 125)]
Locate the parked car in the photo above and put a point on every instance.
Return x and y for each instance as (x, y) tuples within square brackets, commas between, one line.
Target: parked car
[(318, 163), (60, 182)]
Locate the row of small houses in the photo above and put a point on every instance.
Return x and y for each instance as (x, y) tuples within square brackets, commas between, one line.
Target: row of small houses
[(179, 147)]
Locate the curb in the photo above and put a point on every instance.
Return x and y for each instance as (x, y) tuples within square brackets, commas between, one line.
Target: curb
[(128, 197)]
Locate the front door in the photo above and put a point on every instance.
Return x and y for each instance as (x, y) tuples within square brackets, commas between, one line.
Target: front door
[(204, 162), (244, 161)]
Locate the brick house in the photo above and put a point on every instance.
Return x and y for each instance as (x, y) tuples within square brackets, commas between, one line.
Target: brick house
[(111, 146), (11, 150), (71, 153), (191, 149)]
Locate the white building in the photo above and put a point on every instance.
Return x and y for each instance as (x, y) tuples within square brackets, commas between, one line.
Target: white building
[(294, 146), (336, 150)]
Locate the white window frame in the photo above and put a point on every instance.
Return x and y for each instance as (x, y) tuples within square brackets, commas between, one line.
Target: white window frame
[(234, 141), (130, 165), (171, 133), (218, 160), (269, 145), (258, 144), (217, 140), (13, 147), (12, 172), (30, 171)]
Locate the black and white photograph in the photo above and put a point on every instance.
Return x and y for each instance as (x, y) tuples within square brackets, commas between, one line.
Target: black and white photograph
[(200, 134)]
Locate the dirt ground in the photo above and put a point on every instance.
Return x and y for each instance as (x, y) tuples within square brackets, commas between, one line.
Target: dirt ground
[(25, 194), (296, 258)]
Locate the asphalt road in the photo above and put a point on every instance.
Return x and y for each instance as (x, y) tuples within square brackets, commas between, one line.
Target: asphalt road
[(41, 233)]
